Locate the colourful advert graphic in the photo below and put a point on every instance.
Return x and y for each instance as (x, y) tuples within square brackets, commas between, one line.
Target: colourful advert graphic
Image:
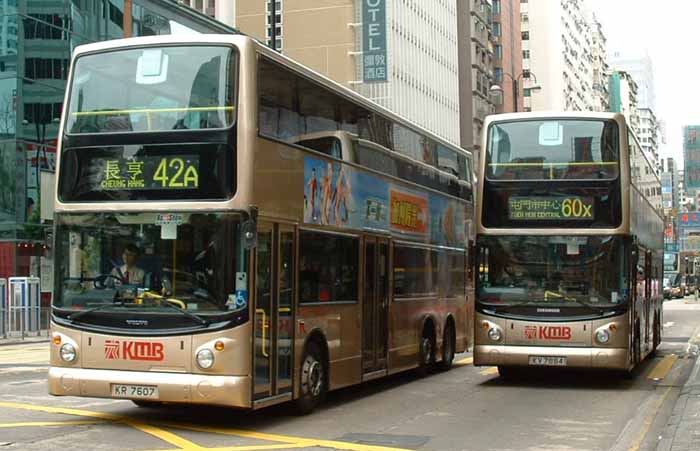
[(339, 195)]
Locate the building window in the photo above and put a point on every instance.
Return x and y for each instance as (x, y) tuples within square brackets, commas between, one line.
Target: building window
[(525, 35), (526, 92), (496, 29), (498, 75), (497, 6), (498, 50), (526, 54)]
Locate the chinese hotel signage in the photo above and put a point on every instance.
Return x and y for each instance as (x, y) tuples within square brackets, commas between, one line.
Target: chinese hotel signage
[(374, 41)]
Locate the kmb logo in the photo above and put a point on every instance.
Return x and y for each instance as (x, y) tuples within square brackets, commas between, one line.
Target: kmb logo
[(134, 350), (530, 332), (555, 333)]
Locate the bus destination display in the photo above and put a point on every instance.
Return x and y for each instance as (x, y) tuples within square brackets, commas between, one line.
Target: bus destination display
[(150, 173), (550, 208)]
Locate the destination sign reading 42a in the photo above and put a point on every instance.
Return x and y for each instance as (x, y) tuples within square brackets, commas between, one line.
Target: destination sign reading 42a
[(150, 173), (550, 208)]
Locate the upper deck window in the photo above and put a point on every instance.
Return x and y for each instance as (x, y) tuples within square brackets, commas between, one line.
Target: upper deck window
[(153, 89), (553, 150)]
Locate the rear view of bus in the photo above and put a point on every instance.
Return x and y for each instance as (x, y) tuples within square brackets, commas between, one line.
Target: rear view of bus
[(569, 248)]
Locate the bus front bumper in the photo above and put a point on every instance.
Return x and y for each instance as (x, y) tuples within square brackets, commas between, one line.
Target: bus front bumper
[(609, 358), (231, 391)]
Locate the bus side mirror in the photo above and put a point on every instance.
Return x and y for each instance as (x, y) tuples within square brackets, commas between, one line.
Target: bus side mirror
[(249, 230)]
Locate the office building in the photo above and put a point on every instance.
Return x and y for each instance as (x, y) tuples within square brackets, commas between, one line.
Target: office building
[(402, 55), (561, 39), (508, 54), (221, 10), (641, 69)]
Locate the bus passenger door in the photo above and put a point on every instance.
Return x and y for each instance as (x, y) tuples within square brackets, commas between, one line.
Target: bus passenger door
[(375, 304), (274, 311)]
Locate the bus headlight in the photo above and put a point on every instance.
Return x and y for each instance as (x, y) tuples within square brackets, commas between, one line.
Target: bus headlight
[(602, 336), (205, 359), (495, 334), (68, 353)]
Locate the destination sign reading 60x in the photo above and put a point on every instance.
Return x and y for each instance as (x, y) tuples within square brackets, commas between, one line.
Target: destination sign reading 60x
[(550, 208), (150, 173)]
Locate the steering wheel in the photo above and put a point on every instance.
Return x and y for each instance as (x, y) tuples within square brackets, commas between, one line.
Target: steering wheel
[(100, 281)]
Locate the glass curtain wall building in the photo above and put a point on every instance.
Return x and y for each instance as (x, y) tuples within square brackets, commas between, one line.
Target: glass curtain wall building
[(36, 41)]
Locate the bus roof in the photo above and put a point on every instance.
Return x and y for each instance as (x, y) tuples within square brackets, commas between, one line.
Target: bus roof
[(242, 40), (554, 114)]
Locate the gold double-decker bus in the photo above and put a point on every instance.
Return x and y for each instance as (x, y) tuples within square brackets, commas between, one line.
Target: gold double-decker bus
[(569, 245), (235, 229)]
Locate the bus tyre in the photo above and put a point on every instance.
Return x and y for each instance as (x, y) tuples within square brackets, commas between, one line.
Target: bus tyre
[(144, 404), (312, 379), (506, 372), (427, 353), (448, 348)]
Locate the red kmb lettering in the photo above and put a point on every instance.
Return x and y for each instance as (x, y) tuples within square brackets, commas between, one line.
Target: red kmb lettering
[(555, 333)]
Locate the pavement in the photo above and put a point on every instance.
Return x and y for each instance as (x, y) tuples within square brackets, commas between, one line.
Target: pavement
[(682, 432), (43, 338)]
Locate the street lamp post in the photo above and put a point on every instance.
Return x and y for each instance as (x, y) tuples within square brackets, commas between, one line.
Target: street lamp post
[(516, 86)]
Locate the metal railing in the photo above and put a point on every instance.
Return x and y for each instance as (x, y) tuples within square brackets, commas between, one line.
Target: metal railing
[(21, 313)]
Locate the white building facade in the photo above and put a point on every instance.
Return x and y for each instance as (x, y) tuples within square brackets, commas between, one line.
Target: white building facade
[(558, 37), (222, 10), (641, 69), (422, 78)]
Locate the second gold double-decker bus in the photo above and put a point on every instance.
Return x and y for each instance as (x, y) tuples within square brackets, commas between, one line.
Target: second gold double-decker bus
[(235, 229), (569, 245)]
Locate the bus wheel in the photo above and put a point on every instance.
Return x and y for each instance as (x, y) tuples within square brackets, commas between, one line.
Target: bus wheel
[(141, 403), (507, 372), (427, 352), (313, 379), (448, 348)]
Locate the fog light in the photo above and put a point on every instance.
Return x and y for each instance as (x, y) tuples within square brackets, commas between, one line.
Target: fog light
[(68, 353), (602, 336), (495, 334), (205, 359)]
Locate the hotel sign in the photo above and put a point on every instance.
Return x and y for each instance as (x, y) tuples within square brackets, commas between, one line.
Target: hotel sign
[(374, 41)]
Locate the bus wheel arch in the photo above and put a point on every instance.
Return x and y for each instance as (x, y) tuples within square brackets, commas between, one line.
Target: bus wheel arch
[(313, 373)]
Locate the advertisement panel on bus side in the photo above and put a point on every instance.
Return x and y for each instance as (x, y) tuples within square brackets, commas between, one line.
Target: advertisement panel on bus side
[(339, 195)]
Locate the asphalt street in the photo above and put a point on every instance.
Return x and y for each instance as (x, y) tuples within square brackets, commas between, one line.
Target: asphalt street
[(467, 408)]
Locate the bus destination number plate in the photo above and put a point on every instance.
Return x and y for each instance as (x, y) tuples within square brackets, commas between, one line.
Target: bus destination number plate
[(134, 391), (539, 360)]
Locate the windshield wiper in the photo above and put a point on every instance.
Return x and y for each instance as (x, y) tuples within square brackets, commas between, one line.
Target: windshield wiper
[(80, 314), (192, 316)]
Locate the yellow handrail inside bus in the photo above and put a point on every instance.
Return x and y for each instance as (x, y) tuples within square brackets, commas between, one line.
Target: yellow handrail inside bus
[(583, 163), (153, 110), (554, 294), (265, 353), (177, 302)]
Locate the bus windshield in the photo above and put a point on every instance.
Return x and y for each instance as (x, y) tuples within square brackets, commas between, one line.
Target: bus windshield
[(147, 262), (551, 271), (553, 150), (153, 89)]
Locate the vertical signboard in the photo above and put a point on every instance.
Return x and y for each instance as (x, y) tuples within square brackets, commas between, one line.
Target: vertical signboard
[(691, 155), (374, 41)]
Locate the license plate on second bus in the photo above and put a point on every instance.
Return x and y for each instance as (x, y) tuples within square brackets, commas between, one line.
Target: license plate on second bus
[(539, 360), (134, 391)]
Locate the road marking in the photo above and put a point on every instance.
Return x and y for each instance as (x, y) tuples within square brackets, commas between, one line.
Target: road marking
[(50, 423), (668, 324), (302, 442), (283, 442), (490, 371), (23, 355), (463, 362), (662, 368), (148, 429)]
